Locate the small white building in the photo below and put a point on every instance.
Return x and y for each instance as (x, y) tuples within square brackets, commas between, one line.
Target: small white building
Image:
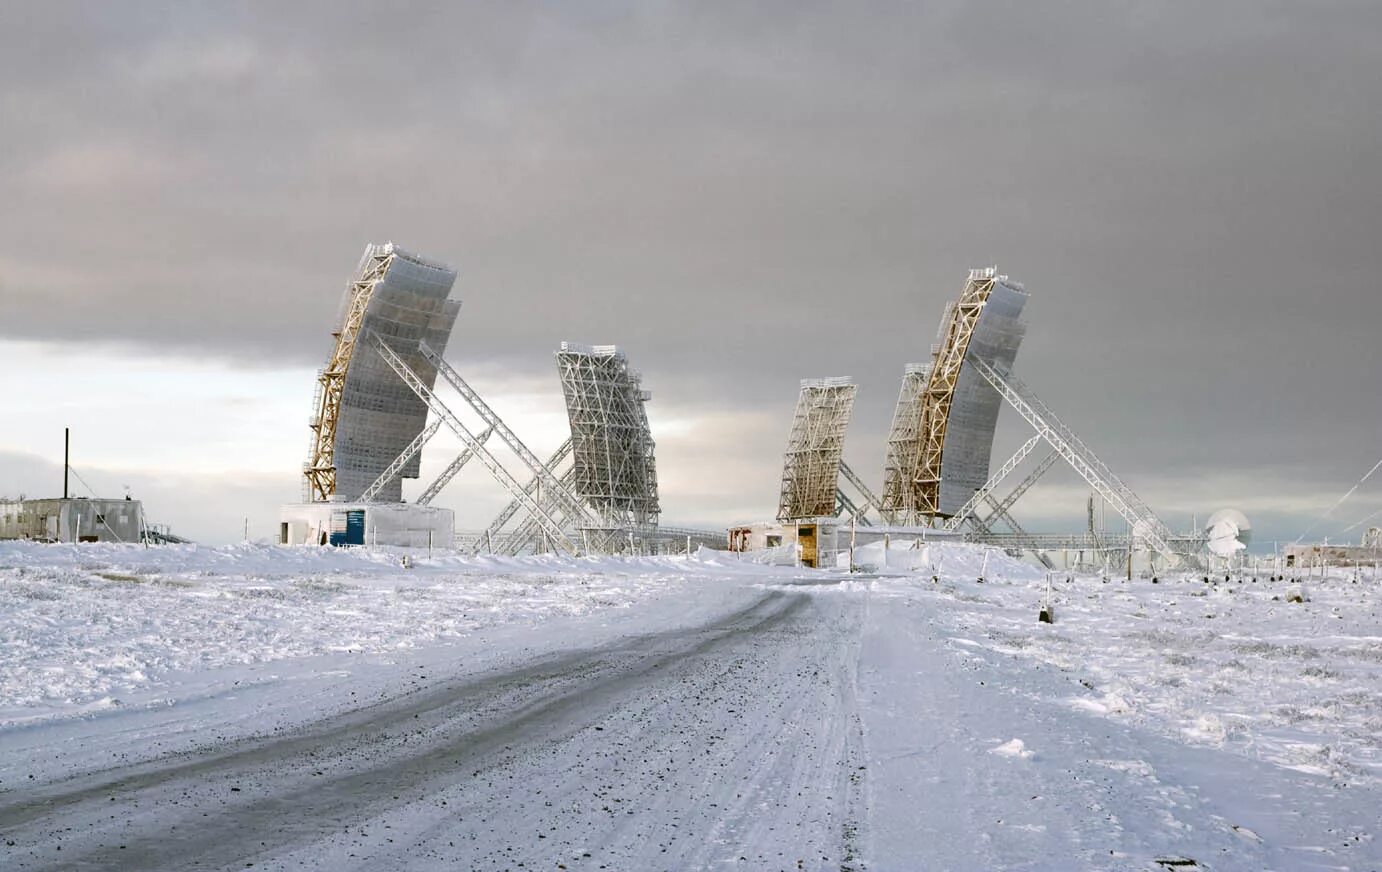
[(346, 523), (75, 519)]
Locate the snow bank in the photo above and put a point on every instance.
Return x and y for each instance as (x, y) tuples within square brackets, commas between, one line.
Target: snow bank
[(948, 559), (83, 625), (1232, 665)]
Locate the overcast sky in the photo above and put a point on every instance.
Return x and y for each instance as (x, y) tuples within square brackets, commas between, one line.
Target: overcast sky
[(740, 195)]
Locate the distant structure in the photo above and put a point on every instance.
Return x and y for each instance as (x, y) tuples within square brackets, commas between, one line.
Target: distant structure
[(370, 424), (946, 451), (78, 519), (900, 464), (365, 417), (72, 519), (612, 450), (815, 445)]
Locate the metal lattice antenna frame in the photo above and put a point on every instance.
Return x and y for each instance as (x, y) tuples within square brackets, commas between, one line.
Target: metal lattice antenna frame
[(320, 469), (811, 463), (898, 503), (1144, 523), (938, 395), (455, 466), (502, 475), (612, 448), (569, 502)]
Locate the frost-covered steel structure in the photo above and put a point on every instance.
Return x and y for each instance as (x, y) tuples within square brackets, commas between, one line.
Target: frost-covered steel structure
[(811, 464), (900, 464), (365, 417), (959, 408), (613, 467)]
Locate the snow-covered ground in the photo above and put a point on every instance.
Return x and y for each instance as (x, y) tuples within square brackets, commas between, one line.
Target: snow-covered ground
[(677, 713), (90, 627)]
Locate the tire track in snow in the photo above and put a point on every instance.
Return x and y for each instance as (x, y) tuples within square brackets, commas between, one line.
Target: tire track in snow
[(455, 772)]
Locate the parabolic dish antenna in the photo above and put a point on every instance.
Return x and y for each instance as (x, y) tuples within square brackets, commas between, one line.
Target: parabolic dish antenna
[(1228, 532)]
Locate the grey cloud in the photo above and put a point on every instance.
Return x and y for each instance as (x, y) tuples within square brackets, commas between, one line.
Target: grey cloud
[(740, 195)]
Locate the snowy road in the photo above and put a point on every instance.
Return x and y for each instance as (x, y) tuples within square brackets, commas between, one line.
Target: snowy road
[(708, 715), (650, 753)]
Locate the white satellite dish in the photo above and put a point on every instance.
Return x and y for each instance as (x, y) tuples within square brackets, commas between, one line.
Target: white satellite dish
[(1228, 531)]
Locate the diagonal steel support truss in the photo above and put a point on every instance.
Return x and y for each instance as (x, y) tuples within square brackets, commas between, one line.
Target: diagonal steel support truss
[(447, 417), (853, 510), (452, 468), (1000, 509), (393, 469), (569, 503), (967, 510), (1144, 523), (494, 532), (528, 534)]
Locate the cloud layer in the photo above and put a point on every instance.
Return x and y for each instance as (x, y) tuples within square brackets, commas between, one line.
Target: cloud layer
[(741, 197)]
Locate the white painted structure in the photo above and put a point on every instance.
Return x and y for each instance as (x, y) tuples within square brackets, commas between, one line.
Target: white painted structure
[(395, 524)]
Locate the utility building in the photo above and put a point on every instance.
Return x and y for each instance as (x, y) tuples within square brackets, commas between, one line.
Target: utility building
[(72, 520)]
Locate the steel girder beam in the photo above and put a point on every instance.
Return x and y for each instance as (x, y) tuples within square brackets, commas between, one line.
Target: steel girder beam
[(570, 503), (502, 475), (939, 393), (994, 481), (394, 468), (1023, 486), (506, 514), (527, 531), (320, 469), (871, 501), (452, 468)]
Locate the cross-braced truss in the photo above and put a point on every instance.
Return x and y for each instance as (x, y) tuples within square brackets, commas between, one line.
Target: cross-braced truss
[(811, 464), (899, 500), (613, 466), (855, 507), (1144, 523), (320, 468), (424, 392), (957, 328)]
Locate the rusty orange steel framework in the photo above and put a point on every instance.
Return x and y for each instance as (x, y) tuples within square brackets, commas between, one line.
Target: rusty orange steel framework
[(934, 414), (320, 470)]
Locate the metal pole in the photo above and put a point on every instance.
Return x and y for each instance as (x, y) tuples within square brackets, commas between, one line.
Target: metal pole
[(429, 544), (851, 544), (66, 457)]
